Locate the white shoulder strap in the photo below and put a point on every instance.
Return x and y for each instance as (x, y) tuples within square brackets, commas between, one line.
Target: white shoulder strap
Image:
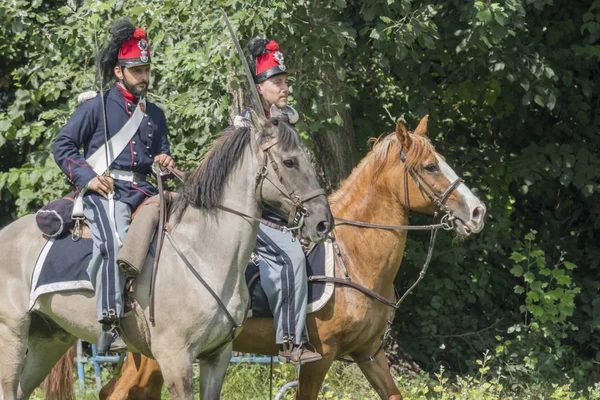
[(118, 142)]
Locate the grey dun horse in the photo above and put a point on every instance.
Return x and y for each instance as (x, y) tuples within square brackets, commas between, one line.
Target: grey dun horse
[(244, 171)]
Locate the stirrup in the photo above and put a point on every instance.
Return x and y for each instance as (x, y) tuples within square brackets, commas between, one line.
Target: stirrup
[(105, 338), (285, 354), (299, 354)]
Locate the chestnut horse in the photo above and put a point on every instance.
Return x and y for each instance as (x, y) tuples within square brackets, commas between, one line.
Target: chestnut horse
[(402, 173)]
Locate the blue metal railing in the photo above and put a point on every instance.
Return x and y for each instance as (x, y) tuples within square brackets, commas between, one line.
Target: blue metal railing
[(95, 360)]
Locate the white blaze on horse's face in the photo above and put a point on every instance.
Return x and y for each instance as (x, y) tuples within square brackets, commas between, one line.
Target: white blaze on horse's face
[(469, 211)]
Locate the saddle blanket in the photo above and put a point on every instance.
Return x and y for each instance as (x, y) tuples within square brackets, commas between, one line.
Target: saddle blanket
[(61, 267), (320, 261)]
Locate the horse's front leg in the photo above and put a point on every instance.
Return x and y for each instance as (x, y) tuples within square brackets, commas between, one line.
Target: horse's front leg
[(140, 379), (13, 336), (312, 376), (377, 372), (176, 366), (212, 373)]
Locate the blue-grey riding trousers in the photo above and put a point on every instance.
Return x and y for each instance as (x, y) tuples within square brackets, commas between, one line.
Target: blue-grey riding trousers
[(282, 267), (107, 279)]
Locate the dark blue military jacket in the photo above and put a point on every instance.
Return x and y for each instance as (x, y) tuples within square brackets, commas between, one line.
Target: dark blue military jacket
[(85, 130)]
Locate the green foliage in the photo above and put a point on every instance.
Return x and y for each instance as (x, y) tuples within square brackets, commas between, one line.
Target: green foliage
[(549, 291), (512, 106), (536, 345), (511, 90)]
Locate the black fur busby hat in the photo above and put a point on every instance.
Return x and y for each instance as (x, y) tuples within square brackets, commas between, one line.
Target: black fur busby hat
[(127, 47), (267, 60)]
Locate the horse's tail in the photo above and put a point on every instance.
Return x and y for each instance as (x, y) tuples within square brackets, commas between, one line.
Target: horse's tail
[(59, 383)]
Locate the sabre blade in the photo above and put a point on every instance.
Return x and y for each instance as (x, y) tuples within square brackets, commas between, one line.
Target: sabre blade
[(99, 71), (257, 103)]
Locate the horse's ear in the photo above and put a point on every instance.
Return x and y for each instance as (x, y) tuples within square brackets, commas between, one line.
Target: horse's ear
[(403, 136), (422, 128)]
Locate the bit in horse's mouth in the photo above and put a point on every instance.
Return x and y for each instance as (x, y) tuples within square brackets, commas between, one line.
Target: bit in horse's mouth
[(462, 228)]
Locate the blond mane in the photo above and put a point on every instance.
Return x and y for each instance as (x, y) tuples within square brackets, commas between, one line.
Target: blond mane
[(385, 149)]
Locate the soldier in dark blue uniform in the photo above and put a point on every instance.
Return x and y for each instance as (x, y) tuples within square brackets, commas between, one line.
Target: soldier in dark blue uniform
[(281, 260), (126, 58)]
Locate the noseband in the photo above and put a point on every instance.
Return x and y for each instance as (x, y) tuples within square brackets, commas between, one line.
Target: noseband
[(436, 197)]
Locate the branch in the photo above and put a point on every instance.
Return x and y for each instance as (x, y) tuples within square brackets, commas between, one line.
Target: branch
[(469, 333)]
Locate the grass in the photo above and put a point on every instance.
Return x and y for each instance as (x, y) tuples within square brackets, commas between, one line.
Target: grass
[(346, 382)]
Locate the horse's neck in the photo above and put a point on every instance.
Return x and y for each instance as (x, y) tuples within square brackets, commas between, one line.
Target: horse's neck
[(372, 255), (221, 239)]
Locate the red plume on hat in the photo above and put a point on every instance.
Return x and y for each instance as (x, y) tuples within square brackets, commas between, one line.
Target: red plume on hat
[(267, 59)]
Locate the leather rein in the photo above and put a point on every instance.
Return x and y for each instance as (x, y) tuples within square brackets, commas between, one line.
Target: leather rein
[(266, 164)]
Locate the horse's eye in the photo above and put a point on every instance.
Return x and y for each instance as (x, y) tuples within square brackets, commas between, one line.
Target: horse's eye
[(289, 163), (431, 168)]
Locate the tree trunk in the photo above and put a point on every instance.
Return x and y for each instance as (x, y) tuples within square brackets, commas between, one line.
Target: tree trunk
[(335, 153)]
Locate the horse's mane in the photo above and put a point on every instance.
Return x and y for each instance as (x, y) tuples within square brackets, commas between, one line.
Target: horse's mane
[(385, 149), (204, 186)]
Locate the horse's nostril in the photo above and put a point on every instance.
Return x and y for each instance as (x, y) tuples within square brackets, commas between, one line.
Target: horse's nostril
[(477, 213), (323, 227)]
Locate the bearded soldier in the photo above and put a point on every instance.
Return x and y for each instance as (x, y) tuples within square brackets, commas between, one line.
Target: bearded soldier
[(282, 263), (137, 133)]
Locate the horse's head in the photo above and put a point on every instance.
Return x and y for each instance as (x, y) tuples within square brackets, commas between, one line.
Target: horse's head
[(287, 180), (430, 184)]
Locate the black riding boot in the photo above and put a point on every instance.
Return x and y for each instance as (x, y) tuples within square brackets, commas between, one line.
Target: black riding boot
[(110, 339)]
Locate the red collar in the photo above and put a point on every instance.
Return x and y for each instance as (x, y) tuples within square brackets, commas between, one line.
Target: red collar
[(127, 95)]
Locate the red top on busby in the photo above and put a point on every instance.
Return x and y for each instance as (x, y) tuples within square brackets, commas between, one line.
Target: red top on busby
[(135, 51), (270, 63)]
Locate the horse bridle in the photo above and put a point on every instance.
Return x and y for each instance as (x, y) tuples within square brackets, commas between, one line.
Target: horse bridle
[(436, 197), (266, 164)]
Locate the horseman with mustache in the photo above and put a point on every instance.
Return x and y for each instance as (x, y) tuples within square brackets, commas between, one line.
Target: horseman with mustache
[(280, 256), (110, 197)]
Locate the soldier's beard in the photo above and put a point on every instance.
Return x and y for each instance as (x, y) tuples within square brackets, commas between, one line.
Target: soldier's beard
[(133, 89)]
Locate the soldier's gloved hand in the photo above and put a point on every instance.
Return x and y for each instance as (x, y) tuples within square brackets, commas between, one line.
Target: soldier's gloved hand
[(102, 185), (164, 161)]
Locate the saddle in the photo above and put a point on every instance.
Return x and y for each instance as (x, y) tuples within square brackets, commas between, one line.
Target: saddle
[(54, 220)]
